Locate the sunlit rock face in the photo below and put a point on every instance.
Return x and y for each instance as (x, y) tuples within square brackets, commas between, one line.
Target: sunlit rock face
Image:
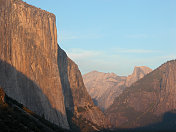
[(138, 73), (37, 73), (78, 102), (105, 87), (28, 60), (146, 101)]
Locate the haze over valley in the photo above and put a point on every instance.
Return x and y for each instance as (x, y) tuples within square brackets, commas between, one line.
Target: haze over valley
[(105, 87), (87, 66)]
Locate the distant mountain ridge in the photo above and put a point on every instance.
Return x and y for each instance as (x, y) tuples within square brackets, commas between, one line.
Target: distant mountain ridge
[(104, 87), (147, 100), (138, 73), (42, 89)]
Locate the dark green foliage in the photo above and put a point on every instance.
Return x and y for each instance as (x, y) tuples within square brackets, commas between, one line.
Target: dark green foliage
[(84, 124), (167, 124), (14, 117), (80, 124)]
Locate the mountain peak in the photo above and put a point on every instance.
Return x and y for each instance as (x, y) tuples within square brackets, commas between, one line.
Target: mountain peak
[(150, 98), (104, 87), (32, 74), (138, 73), (142, 68)]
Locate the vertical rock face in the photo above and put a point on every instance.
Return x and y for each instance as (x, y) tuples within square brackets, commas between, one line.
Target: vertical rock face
[(28, 59), (16, 117), (77, 100), (138, 73), (105, 87), (36, 72), (147, 100)]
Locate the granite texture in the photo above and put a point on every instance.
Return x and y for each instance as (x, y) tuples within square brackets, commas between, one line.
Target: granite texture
[(28, 60), (105, 87), (77, 100), (146, 101)]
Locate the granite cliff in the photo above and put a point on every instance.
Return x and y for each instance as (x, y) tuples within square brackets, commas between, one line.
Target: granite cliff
[(38, 74), (138, 73), (28, 43), (15, 117), (105, 87), (146, 101), (79, 105)]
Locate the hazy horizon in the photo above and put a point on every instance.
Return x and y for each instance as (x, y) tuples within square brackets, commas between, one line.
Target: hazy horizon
[(115, 35)]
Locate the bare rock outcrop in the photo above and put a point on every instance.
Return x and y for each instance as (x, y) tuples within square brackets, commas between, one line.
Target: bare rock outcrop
[(138, 73), (16, 117), (79, 105), (146, 101), (105, 87), (28, 60)]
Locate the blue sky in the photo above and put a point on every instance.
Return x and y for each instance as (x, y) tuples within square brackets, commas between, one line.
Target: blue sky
[(115, 35)]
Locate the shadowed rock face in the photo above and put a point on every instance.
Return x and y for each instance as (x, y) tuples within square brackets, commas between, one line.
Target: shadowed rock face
[(78, 102), (28, 42), (167, 124), (105, 87), (15, 116), (36, 72), (146, 101)]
